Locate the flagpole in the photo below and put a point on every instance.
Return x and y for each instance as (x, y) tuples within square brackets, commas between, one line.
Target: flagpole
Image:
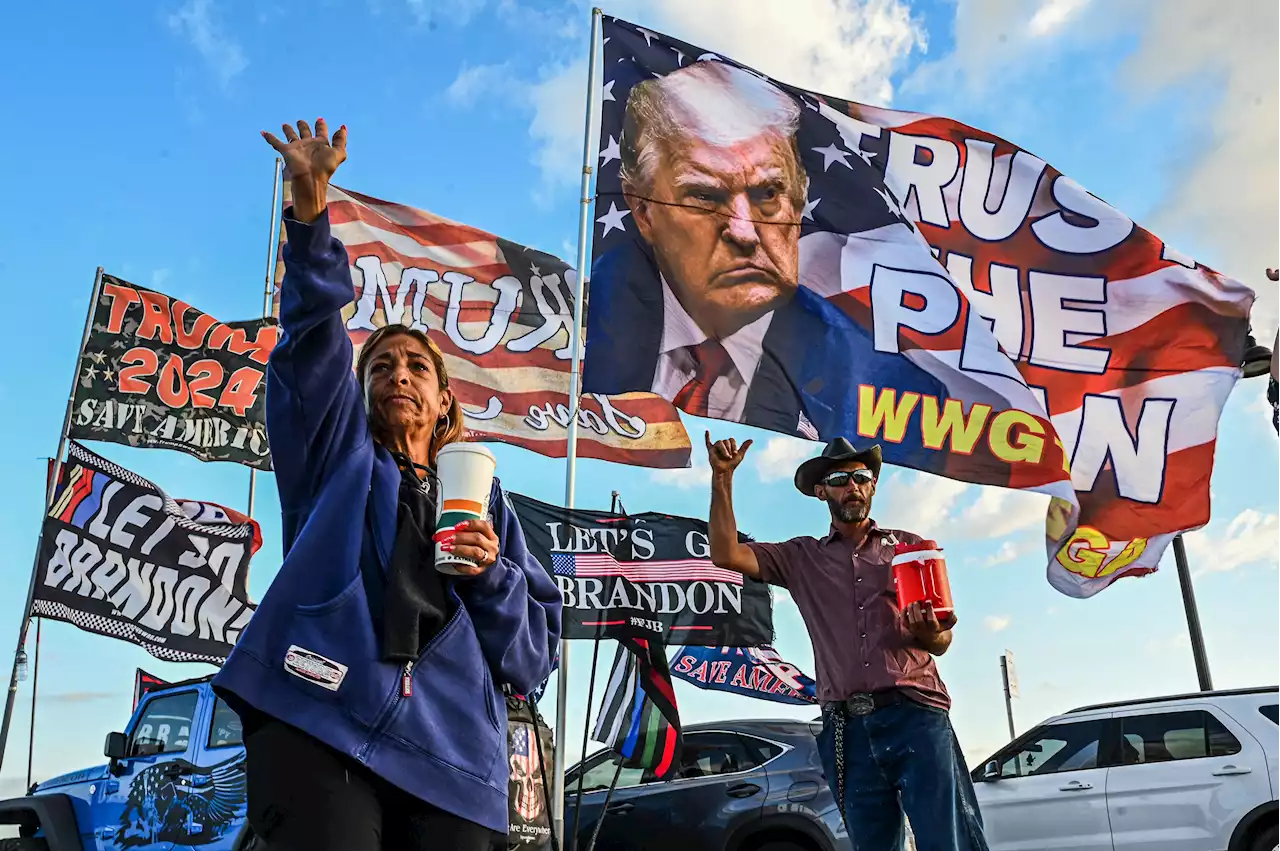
[(50, 486), (589, 144), (572, 843), (268, 285), (35, 687)]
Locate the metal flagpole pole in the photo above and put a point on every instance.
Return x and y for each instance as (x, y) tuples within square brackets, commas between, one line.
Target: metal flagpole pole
[(1193, 615), (48, 498), (589, 143), (1008, 695), (35, 687), (268, 286), (572, 841)]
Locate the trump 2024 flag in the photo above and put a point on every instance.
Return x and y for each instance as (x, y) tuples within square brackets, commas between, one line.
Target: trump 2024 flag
[(767, 255)]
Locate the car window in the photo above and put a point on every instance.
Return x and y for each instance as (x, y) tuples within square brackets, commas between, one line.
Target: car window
[(1272, 711), (1054, 749), (711, 754), (1168, 736), (226, 729), (761, 750), (599, 775), (165, 725)]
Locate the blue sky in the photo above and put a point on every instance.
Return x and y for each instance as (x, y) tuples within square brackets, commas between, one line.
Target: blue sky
[(132, 143)]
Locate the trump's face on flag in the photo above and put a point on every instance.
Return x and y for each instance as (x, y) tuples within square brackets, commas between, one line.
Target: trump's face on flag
[(712, 175)]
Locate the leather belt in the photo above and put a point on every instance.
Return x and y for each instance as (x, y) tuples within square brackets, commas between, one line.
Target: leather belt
[(859, 705)]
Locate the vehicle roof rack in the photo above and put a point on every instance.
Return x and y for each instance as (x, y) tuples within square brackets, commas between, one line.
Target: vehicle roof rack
[(1172, 697)]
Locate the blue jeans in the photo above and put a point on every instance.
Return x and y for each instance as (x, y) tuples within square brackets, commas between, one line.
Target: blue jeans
[(901, 759)]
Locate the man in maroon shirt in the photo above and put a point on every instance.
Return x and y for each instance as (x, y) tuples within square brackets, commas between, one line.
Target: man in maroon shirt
[(887, 745)]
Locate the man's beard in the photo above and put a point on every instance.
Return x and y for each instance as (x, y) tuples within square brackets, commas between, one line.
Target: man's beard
[(852, 511)]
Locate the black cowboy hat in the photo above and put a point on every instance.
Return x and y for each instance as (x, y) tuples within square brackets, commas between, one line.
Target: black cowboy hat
[(838, 451)]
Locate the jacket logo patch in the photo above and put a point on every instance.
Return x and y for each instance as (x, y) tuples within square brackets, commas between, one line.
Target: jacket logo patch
[(314, 668)]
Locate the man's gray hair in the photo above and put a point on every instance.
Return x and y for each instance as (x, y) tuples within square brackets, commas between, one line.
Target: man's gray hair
[(714, 101)]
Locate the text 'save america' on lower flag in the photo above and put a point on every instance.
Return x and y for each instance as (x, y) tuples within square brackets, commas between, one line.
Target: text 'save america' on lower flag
[(749, 671), (120, 557), (907, 280), (638, 717)]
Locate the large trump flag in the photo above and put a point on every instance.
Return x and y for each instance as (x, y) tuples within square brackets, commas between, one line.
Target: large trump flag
[(771, 256)]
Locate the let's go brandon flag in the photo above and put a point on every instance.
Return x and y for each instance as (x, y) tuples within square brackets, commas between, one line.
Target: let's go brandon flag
[(502, 315), (771, 256)]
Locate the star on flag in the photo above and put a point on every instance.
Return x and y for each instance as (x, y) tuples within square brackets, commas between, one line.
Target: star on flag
[(833, 154), (612, 220), (611, 152)]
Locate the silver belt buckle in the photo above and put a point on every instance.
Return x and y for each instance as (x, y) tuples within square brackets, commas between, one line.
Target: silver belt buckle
[(861, 705)]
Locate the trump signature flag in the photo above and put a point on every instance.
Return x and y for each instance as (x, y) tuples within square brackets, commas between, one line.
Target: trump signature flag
[(767, 255)]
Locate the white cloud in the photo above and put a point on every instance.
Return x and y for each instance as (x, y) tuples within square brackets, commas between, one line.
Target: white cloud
[(846, 48), (930, 505), (988, 39), (996, 623), (686, 478), (1225, 197), (195, 22), (1250, 538), (559, 103), (920, 502), (779, 457), (473, 81), (1007, 553), (999, 511), (1053, 14)]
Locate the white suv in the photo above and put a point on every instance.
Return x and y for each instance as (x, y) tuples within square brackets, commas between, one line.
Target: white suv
[(1193, 772)]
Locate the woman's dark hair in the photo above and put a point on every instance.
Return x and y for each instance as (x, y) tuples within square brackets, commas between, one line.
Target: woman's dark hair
[(453, 430)]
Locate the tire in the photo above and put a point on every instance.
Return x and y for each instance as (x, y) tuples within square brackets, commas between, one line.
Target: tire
[(772, 845), (28, 843), (1268, 839)]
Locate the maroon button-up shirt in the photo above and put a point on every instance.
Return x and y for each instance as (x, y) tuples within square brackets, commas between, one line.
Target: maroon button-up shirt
[(846, 596)]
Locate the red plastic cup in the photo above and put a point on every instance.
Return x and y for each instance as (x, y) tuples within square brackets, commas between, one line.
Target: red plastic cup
[(920, 576)]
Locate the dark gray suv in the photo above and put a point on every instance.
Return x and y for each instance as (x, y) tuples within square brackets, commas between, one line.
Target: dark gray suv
[(741, 786)]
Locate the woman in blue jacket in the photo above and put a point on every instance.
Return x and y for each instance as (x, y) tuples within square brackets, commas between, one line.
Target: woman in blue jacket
[(370, 684)]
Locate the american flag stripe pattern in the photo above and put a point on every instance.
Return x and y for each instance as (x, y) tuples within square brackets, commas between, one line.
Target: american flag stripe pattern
[(638, 716), (671, 570), (1052, 308), (513, 383)]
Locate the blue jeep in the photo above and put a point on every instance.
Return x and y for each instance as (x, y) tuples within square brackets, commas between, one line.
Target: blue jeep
[(174, 780)]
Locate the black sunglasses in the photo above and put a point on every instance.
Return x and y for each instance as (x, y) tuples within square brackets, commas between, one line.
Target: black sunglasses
[(841, 479)]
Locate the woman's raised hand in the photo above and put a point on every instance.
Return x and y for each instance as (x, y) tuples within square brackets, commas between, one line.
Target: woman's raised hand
[(311, 160)]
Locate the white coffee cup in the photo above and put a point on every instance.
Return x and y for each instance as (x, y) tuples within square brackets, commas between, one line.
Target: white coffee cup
[(465, 472)]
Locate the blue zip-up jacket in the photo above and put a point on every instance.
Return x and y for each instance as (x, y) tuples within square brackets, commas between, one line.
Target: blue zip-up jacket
[(446, 742)]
